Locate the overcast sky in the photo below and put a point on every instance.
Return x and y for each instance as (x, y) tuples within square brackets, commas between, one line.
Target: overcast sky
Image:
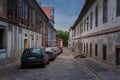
[(66, 11)]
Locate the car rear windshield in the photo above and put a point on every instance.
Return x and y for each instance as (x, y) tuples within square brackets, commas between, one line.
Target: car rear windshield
[(32, 51), (48, 49)]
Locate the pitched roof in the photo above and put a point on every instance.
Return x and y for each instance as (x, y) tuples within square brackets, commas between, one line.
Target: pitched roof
[(48, 11)]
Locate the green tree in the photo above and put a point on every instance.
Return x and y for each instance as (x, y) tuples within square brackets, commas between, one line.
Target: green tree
[(64, 35)]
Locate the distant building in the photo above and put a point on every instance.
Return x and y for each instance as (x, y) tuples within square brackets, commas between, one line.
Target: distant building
[(70, 45), (52, 36), (49, 11), (59, 41), (96, 32)]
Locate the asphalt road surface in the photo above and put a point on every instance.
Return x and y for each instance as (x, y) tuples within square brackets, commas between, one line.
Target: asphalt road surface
[(65, 67)]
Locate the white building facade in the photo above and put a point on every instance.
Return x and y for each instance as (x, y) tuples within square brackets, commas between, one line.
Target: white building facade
[(97, 31)]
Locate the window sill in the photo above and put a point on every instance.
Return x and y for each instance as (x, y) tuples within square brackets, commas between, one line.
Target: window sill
[(2, 50)]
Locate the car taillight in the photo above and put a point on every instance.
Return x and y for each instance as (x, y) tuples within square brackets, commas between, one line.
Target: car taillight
[(49, 52)]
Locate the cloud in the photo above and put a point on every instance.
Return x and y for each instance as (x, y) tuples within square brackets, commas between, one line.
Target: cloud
[(66, 11)]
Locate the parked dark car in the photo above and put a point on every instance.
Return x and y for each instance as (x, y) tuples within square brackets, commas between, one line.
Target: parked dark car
[(34, 56), (51, 52)]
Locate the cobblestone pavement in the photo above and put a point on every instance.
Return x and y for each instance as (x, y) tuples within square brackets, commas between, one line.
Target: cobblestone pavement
[(65, 67)]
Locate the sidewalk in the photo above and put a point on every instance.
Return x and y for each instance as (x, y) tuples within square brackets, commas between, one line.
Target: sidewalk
[(108, 72), (4, 70)]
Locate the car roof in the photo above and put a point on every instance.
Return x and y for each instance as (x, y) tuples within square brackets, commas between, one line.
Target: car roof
[(33, 48)]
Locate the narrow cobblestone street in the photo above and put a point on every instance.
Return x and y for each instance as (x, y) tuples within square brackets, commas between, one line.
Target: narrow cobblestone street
[(65, 67)]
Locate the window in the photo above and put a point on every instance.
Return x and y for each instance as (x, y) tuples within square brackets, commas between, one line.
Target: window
[(25, 11), (10, 5), (1, 38), (87, 48), (87, 22), (118, 8), (2, 3), (10, 9), (96, 50), (91, 50), (96, 16), (84, 47), (82, 27), (20, 8), (104, 52), (33, 16), (105, 10), (37, 19), (84, 24), (91, 20)]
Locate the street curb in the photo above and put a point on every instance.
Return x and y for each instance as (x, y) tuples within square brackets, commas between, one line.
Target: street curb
[(91, 69)]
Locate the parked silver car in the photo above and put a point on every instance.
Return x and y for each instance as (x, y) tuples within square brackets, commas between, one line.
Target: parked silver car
[(51, 52)]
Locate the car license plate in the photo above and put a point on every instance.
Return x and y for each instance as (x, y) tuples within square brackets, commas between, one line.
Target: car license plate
[(32, 58)]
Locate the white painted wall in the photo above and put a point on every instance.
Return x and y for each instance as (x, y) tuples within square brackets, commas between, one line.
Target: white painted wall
[(113, 21), (9, 44)]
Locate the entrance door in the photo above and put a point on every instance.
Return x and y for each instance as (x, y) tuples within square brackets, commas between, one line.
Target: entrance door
[(118, 56), (104, 52), (25, 43)]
